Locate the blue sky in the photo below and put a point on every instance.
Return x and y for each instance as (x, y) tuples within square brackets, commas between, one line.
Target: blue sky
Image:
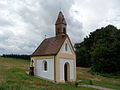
[(24, 23)]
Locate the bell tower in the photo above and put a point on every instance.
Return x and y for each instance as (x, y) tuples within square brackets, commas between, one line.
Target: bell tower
[(60, 25)]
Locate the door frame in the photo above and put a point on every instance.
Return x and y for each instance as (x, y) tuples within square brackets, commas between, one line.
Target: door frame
[(67, 72)]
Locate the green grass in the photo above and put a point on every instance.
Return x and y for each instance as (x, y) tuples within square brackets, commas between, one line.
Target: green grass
[(98, 80), (13, 77)]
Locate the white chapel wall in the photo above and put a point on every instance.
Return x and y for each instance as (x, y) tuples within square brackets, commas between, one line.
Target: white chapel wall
[(62, 63), (69, 48), (49, 74)]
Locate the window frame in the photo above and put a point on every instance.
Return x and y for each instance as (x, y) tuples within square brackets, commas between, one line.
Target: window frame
[(45, 66), (66, 47), (64, 30)]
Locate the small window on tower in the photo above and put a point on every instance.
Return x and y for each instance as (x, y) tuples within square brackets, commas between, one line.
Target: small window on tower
[(66, 47), (64, 30), (58, 31)]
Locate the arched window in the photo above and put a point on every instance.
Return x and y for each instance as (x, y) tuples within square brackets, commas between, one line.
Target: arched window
[(66, 47), (45, 65)]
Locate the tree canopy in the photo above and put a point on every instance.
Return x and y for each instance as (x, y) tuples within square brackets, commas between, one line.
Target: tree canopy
[(100, 50)]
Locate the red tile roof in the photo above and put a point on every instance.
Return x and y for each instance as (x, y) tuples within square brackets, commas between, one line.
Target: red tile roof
[(50, 46)]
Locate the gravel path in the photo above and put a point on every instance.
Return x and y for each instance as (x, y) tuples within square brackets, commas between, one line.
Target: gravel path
[(96, 87)]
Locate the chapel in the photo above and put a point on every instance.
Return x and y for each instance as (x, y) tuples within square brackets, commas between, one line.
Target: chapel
[(55, 58)]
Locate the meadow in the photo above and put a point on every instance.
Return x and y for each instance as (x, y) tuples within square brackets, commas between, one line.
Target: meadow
[(13, 77)]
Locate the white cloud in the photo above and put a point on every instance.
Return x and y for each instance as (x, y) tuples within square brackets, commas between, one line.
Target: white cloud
[(24, 23), (96, 13)]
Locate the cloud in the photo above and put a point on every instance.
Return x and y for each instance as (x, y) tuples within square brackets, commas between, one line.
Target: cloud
[(94, 14), (24, 23)]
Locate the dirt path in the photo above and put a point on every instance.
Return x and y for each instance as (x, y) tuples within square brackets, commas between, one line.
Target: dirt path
[(96, 87)]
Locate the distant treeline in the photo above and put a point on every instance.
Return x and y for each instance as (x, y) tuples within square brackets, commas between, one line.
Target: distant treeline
[(17, 56)]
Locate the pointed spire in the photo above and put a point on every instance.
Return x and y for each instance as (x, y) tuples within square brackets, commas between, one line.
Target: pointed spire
[(60, 25), (60, 19)]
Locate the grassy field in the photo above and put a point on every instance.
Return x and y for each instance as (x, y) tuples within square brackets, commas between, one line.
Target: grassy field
[(13, 77), (86, 77)]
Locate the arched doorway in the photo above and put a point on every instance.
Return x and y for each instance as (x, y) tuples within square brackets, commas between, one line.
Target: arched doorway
[(67, 72)]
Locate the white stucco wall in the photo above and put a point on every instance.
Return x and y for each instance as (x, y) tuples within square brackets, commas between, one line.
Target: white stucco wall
[(69, 51), (62, 63), (49, 74)]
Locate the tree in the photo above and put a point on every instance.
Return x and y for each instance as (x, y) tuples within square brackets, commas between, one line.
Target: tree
[(100, 50)]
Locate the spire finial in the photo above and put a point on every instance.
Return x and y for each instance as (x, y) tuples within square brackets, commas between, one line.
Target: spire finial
[(45, 36), (60, 5)]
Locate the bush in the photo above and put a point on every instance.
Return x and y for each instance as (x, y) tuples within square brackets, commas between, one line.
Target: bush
[(76, 84), (90, 82)]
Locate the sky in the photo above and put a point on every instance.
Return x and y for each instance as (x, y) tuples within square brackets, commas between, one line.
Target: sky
[(24, 23)]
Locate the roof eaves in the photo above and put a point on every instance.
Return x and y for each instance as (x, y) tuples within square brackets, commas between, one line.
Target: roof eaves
[(44, 55)]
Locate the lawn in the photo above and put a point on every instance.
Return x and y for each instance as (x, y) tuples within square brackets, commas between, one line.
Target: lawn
[(13, 77), (84, 75)]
